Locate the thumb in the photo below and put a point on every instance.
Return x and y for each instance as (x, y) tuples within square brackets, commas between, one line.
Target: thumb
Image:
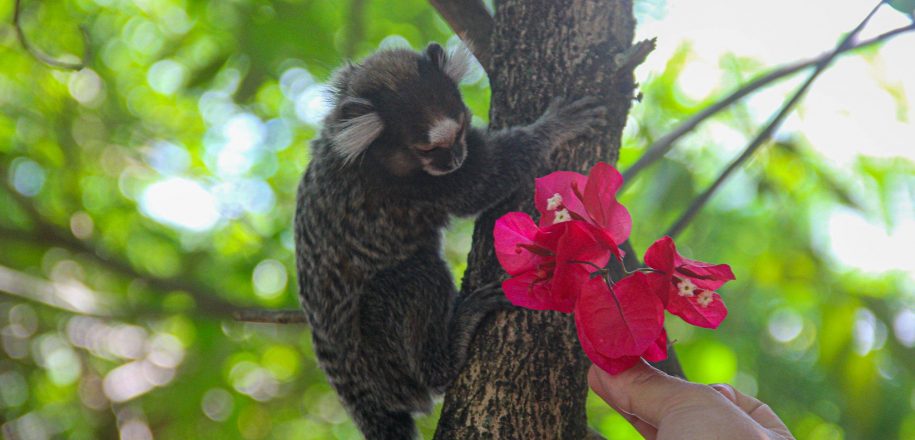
[(647, 393)]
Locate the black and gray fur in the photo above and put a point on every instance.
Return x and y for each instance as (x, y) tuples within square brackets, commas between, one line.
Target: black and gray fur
[(396, 158)]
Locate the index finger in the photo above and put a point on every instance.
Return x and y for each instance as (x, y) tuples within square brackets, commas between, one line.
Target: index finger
[(760, 412), (648, 393)]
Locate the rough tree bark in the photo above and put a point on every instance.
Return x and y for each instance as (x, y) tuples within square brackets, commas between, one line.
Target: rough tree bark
[(526, 376)]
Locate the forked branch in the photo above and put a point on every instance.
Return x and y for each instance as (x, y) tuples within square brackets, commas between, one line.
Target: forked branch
[(766, 133), (662, 146)]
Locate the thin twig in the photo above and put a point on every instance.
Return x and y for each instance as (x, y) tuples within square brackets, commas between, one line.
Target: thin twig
[(41, 56), (470, 20), (662, 146), (298, 316), (766, 132), (271, 316)]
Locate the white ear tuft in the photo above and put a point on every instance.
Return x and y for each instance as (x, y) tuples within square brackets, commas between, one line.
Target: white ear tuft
[(458, 63), (356, 133)]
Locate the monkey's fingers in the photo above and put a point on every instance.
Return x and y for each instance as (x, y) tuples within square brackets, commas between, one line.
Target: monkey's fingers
[(490, 296)]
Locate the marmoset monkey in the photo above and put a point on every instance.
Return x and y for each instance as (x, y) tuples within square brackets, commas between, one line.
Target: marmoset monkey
[(396, 157)]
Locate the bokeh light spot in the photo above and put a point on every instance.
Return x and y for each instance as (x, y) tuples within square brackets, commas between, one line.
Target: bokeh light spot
[(27, 177), (269, 279), (167, 76), (904, 327), (785, 325), (180, 202), (217, 404)]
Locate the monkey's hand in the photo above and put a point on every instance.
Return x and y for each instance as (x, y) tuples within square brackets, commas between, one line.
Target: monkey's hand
[(487, 297), (564, 120)]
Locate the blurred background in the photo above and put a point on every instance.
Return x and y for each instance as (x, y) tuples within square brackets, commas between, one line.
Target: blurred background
[(146, 195)]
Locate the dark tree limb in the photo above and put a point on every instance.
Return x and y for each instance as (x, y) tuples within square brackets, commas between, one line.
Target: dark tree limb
[(41, 56), (662, 146), (526, 373), (470, 20), (766, 133)]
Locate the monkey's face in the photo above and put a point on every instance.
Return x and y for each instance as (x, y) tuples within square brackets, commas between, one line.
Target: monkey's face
[(403, 110), (446, 148), (434, 144)]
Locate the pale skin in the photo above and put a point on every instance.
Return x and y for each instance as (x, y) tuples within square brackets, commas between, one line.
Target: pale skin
[(663, 407)]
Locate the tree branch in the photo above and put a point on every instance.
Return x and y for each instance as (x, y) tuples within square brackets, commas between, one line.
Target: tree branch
[(50, 234), (271, 316), (628, 60), (766, 133), (470, 20), (73, 298), (355, 27), (293, 316), (662, 146), (41, 56), (207, 299), (48, 293)]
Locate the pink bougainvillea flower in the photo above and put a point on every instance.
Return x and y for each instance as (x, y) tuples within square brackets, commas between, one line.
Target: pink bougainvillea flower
[(560, 264), (529, 256), (579, 253), (549, 265), (618, 326), (566, 195), (516, 250), (687, 287), (558, 196)]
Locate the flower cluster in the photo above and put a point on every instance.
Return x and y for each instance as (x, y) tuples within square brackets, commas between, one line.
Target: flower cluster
[(561, 264)]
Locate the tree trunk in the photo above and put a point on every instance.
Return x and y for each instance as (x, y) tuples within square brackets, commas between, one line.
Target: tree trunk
[(526, 374)]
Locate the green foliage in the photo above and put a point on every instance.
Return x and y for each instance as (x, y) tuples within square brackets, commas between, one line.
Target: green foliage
[(114, 315)]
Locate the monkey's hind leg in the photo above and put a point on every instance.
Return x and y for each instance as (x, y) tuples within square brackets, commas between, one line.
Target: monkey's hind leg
[(379, 424), (444, 362)]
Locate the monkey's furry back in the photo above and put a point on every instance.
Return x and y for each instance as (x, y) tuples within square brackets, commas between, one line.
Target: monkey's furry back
[(378, 296), (347, 233)]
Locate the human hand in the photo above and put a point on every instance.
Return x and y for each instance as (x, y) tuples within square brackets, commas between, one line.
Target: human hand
[(664, 407)]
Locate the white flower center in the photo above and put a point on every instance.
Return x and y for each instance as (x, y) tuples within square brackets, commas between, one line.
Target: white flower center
[(686, 288), (705, 298), (562, 216), (553, 202)]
